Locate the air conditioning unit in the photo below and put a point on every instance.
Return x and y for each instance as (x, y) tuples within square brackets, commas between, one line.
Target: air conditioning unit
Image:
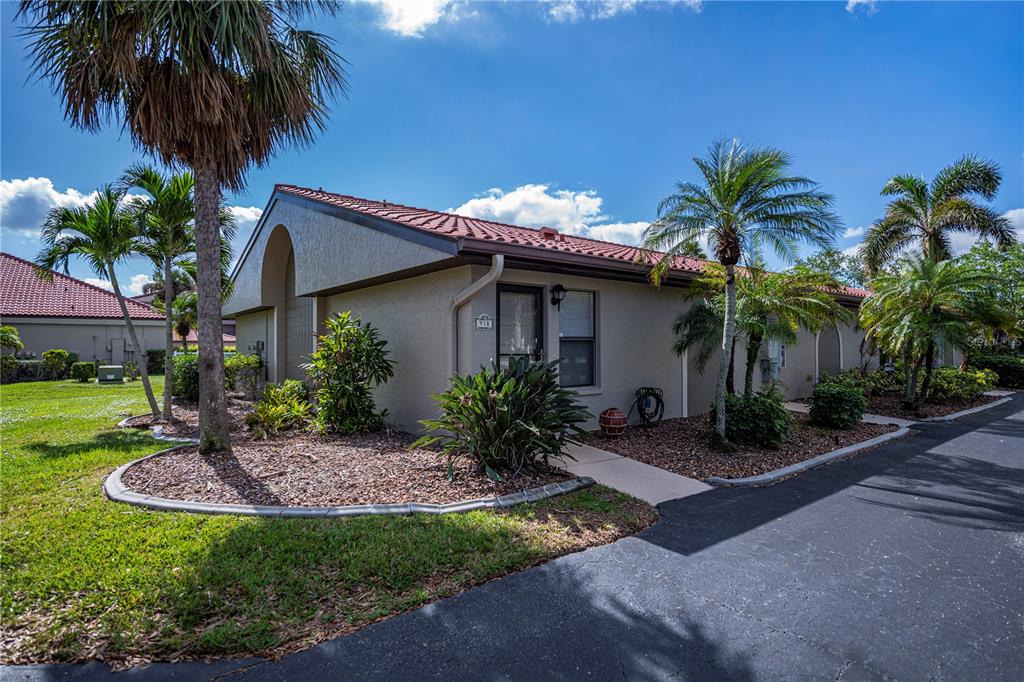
[(110, 374)]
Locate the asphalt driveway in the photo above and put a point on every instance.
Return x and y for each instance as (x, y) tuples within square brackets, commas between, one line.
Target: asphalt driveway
[(904, 563)]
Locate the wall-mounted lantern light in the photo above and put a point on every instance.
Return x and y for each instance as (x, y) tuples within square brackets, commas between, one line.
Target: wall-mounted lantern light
[(557, 295)]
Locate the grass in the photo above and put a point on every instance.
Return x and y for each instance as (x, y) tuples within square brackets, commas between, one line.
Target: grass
[(85, 578)]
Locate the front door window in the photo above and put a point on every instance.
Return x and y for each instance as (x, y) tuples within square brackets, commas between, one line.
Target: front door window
[(520, 328)]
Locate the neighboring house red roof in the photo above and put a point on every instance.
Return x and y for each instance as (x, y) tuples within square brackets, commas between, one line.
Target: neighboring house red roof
[(462, 227), (193, 337), (24, 294)]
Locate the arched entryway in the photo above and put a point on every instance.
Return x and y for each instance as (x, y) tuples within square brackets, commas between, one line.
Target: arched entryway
[(293, 314)]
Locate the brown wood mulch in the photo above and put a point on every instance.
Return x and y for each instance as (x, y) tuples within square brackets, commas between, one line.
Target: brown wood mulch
[(304, 469), (684, 446), (891, 405)]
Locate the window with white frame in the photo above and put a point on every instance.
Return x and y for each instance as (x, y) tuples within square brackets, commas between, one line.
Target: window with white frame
[(577, 342)]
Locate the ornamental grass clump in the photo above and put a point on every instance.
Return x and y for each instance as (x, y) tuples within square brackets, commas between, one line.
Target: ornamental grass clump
[(350, 360), (506, 419)]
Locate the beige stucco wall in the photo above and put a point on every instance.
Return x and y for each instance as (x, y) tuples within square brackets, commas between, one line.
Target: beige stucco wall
[(329, 252), (413, 316), (252, 329), (88, 338), (634, 336)]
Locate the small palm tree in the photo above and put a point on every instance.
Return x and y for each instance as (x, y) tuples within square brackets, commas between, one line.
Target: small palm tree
[(770, 306), (165, 218), (748, 198), (927, 215), (921, 303), (214, 86), (103, 234), (185, 316)]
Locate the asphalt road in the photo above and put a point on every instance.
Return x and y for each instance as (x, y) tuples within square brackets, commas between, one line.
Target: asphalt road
[(904, 563)]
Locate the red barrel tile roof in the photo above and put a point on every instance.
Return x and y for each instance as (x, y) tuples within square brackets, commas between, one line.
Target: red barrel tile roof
[(463, 227), (24, 294)]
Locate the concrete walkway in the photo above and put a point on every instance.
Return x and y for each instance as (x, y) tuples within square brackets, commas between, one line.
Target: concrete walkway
[(867, 418), (648, 483)]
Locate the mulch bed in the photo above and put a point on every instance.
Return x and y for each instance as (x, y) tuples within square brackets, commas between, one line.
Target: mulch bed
[(684, 446), (304, 469), (891, 405)]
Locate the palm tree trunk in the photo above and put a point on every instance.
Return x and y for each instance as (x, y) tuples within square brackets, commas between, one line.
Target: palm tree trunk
[(154, 408), (929, 358), (728, 334), (908, 391), (912, 386), (730, 378), (168, 336), (214, 435), (753, 349)]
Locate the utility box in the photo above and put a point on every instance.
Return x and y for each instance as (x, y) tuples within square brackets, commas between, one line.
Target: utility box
[(110, 374)]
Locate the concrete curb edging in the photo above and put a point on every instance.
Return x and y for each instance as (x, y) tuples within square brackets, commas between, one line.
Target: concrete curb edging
[(964, 413), (114, 489), (785, 472)]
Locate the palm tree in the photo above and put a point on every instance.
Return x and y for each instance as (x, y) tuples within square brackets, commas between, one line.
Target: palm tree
[(166, 222), (213, 86), (748, 198), (928, 215), (103, 234), (923, 302), (9, 338), (770, 306), (185, 315)]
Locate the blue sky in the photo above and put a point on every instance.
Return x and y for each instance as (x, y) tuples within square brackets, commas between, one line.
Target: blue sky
[(583, 115)]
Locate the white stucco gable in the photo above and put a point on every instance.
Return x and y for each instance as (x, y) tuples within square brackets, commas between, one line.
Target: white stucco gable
[(333, 248)]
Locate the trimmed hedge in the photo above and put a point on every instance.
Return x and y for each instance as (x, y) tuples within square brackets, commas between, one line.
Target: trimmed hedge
[(186, 377), (83, 372), (950, 384), (836, 406), (242, 372), (1009, 368), (759, 419), (55, 363), (155, 358)]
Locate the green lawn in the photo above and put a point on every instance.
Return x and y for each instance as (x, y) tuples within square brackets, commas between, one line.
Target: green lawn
[(82, 577)]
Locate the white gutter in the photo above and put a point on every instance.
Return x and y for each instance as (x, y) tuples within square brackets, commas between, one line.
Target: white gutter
[(463, 297)]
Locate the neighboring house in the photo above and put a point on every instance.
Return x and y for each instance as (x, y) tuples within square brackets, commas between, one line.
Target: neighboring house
[(451, 293), (71, 314), (193, 340), (227, 326)]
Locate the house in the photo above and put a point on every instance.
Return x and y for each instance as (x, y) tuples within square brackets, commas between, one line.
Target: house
[(71, 314), (450, 293)]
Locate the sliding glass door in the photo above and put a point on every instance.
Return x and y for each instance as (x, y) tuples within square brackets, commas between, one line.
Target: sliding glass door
[(520, 322)]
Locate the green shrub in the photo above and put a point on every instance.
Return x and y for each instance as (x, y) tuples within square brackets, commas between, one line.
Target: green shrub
[(759, 419), (837, 406), (242, 373), (350, 360), (29, 370), (1009, 368), (131, 370), (155, 358), (55, 363), (83, 372), (186, 377), (8, 369), (506, 419), (281, 408), (950, 384)]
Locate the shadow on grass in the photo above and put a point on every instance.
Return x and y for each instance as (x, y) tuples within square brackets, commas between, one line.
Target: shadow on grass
[(120, 440)]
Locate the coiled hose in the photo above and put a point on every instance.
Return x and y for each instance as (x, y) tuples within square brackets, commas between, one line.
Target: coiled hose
[(649, 405)]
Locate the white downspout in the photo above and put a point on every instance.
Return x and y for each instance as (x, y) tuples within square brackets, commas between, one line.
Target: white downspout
[(817, 356), (463, 297), (839, 335)]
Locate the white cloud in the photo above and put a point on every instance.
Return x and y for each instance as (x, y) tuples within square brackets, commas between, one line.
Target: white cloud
[(571, 11), (410, 18), (852, 250), (869, 7), (961, 242), (539, 205), (24, 203), (853, 232), (246, 218), (97, 282), (132, 288)]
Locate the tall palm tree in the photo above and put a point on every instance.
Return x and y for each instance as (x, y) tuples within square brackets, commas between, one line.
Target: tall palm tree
[(103, 234), (920, 303), (213, 86), (928, 215), (165, 218), (747, 198)]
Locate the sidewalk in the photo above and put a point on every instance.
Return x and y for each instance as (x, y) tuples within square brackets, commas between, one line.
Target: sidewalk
[(650, 484)]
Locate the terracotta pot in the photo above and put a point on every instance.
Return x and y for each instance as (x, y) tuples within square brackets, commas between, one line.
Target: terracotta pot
[(613, 422)]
